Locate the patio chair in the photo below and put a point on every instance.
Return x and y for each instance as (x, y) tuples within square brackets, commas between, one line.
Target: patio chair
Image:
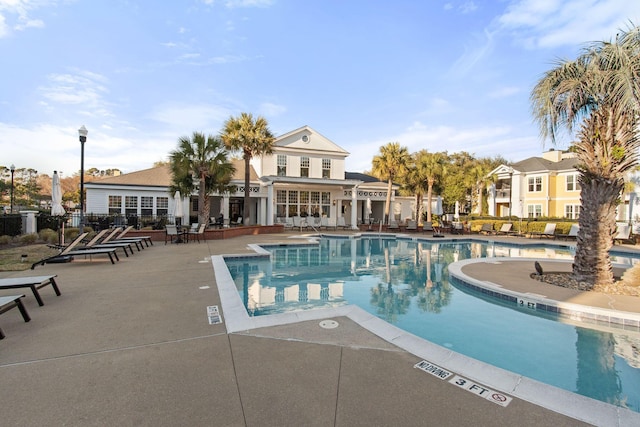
[(341, 223), (549, 231), (411, 225), (572, 234), (317, 223), (197, 233), (217, 222), (331, 223), (172, 234), (487, 228), (623, 234), (428, 227), (505, 229), (324, 223), (70, 251), (122, 237), (13, 301), (33, 282), (393, 225)]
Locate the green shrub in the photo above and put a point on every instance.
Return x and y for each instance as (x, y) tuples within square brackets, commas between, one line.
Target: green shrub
[(5, 240), (29, 239), (48, 235)]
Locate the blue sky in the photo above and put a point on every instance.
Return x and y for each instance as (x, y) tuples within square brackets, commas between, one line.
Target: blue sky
[(438, 75)]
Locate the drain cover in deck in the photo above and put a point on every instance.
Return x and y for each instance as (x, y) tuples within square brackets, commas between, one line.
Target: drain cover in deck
[(329, 324)]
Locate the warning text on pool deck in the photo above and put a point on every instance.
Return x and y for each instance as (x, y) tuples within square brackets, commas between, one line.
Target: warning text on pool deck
[(471, 386)]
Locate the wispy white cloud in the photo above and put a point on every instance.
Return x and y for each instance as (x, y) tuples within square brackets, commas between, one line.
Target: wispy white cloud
[(552, 23), (16, 14), (183, 118), (81, 87), (468, 7), (479, 48)]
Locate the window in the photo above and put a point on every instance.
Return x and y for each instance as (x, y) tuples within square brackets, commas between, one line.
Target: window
[(281, 203), (146, 205), (194, 204), (115, 204), (572, 183), (282, 165), (162, 206), (535, 184), (293, 203), (326, 168), (534, 211), (572, 211), (304, 167), (131, 205)]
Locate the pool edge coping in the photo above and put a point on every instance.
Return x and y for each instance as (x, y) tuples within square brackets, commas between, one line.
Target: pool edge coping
[(562, 401)]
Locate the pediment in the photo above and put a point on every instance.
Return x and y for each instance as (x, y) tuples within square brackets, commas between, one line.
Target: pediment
[(307, 139)]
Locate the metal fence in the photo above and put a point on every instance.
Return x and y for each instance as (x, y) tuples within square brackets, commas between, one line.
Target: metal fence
[(12, 224)]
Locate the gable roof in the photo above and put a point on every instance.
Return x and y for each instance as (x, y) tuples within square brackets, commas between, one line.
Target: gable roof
[(307, 139), (539, 164), (160, 176)]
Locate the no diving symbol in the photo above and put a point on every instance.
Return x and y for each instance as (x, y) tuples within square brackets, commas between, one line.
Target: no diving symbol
[(499, 397)]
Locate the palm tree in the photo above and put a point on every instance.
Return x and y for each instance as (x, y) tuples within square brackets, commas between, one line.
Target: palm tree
[(201, 162), (432, 166), (478, 173), (253, 138), (600, 91), (415, 184), (390, 164)]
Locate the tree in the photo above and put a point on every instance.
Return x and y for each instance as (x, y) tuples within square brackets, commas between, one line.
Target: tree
[(431, 166), (390, 164), (478, 172), (415, 184), (252, 138), (201, 162), (600, 92)]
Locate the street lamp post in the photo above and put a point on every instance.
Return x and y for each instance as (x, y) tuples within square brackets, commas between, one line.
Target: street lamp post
[(83, 138), (12, 168)]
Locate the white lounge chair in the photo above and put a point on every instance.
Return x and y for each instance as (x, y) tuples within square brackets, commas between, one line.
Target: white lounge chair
[(572, 234), (549, 231), (623, 234)]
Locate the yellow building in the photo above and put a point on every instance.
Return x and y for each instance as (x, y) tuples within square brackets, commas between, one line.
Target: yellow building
[(544, 186)]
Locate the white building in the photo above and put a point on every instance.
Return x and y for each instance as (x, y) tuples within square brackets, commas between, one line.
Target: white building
[(305, 176)]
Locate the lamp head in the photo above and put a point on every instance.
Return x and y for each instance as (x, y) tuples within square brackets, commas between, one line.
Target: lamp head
[(83, 132), (12, 168)]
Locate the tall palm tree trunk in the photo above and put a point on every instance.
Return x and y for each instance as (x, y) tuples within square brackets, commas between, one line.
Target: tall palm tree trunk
[(203, 198), (597, 227), (387, 206), (246, 214)]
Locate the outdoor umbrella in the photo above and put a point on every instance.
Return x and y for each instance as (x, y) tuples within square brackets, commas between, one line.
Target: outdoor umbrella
[(369, 212), (456, 214), (178, 212), (56, 204)]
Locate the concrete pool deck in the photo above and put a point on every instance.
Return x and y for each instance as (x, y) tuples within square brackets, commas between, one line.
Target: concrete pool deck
[(131, 344)]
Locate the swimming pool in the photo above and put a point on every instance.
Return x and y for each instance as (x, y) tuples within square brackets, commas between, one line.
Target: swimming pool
[(406, 283)]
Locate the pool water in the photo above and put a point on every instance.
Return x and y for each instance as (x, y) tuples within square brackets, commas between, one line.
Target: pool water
[(406, 283)]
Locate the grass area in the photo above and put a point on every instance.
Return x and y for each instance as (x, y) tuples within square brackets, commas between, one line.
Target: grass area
[(11, 256)]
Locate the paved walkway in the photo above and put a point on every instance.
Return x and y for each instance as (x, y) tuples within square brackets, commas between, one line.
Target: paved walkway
[(130, 345)]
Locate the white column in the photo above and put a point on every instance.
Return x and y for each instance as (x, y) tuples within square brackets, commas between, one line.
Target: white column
[(29, 224), (225, 206), (270, 204), (354, 208)]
